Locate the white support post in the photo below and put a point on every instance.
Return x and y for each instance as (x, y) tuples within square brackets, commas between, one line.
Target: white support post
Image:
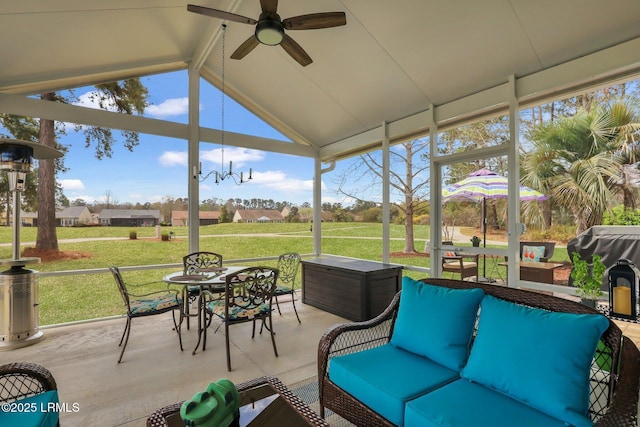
[(386, 198), (435, 198), (513, 203), (317, 207), (193, 160)]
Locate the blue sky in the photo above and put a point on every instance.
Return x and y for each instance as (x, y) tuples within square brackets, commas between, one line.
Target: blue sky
[(157, 168)]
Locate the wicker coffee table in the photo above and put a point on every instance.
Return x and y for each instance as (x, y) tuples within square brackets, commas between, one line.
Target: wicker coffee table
[(264, 401)]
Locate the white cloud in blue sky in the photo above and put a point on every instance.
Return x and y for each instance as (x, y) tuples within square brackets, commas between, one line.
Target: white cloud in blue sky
[(71, 184), (173, 158), (168, 108)]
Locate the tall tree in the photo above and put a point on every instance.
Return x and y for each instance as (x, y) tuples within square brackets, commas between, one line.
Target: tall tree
[(581, 162), (407, 178), (128, 97), (46, 237)]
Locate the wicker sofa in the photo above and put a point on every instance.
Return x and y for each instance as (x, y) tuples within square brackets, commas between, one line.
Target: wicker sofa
[(29, 396), (466, 394)]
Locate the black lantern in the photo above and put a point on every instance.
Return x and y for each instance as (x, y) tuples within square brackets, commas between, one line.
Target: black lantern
[(623, 289)]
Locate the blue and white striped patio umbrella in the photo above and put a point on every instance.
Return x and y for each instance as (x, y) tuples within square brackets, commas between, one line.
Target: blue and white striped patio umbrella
[(485, 184)]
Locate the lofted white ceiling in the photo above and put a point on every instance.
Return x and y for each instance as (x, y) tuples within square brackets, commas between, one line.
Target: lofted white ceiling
[(391, 62)]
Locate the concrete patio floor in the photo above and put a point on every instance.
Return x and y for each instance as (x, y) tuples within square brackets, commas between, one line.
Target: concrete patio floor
[(154, 372)]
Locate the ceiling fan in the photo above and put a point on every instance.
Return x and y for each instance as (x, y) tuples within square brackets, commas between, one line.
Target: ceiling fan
[(270, 29)]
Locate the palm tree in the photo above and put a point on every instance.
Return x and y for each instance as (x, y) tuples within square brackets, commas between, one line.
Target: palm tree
[(582, 162)]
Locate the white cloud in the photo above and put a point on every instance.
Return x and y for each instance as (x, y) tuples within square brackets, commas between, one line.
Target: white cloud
[(278, 180), (213, 158), (173, 158), (169, 107), (72, 184), (239, 156)]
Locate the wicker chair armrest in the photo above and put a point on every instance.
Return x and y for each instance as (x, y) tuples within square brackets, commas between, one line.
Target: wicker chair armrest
[(22, 379), (327, 346), (623, 411)]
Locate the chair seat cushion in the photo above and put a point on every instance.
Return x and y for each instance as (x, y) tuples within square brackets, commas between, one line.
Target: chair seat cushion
[(464, 403), (237, 312), (386, 377), (164, 302), (436, 322), (40, 410), (465, 264), (281, 290)]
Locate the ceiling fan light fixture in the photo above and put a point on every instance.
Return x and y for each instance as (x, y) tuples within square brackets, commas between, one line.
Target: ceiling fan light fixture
[(269, 32)]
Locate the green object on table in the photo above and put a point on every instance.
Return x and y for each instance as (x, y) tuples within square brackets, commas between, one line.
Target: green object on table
[(217, 406)]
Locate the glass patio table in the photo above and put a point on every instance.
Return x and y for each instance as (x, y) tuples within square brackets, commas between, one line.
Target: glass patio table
[(264, 401), (213, 281)]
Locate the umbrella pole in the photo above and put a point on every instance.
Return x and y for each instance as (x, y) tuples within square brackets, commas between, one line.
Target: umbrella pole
[(484, 240)]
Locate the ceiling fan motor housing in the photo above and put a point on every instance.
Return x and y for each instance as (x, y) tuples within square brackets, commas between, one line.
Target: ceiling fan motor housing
[(269, 29)]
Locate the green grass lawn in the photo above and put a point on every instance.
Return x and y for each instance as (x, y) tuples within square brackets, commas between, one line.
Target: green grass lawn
[(85, 296)]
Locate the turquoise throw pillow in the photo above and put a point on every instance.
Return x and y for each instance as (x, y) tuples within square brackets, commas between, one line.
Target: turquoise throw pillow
[(532, 253), (539, 357), (436, 322)]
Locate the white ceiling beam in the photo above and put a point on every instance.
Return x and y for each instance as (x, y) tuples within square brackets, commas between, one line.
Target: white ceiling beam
[(31, 107), (256, 143), (36, 84)]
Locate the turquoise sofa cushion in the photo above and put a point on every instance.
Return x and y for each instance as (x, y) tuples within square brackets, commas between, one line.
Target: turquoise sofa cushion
[(539, 357), (35, 411), (385, 378), (464, 403), (436, 322)]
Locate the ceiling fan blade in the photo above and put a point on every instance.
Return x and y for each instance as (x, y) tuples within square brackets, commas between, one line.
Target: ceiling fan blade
[(215, 13), (246, 47), (296, 51), (269, 6), (315, 21)]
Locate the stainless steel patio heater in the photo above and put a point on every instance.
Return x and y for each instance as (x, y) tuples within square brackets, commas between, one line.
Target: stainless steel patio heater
[(18, 285)]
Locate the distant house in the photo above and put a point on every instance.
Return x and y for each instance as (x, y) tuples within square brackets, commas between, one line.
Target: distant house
[(73, 215), (179, 218), (129, 217), (257, 215), (68, 217), (28, 219)]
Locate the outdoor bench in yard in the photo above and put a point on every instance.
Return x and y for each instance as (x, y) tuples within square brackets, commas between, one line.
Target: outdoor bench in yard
[(456, 353)]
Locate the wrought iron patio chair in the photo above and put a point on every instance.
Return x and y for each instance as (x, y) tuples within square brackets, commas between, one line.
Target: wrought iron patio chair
[(195, 263), (146, 304), (247, 298), (288, 265)]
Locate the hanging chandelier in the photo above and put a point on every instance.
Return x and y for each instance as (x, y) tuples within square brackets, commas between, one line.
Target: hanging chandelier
[(222, 174)]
